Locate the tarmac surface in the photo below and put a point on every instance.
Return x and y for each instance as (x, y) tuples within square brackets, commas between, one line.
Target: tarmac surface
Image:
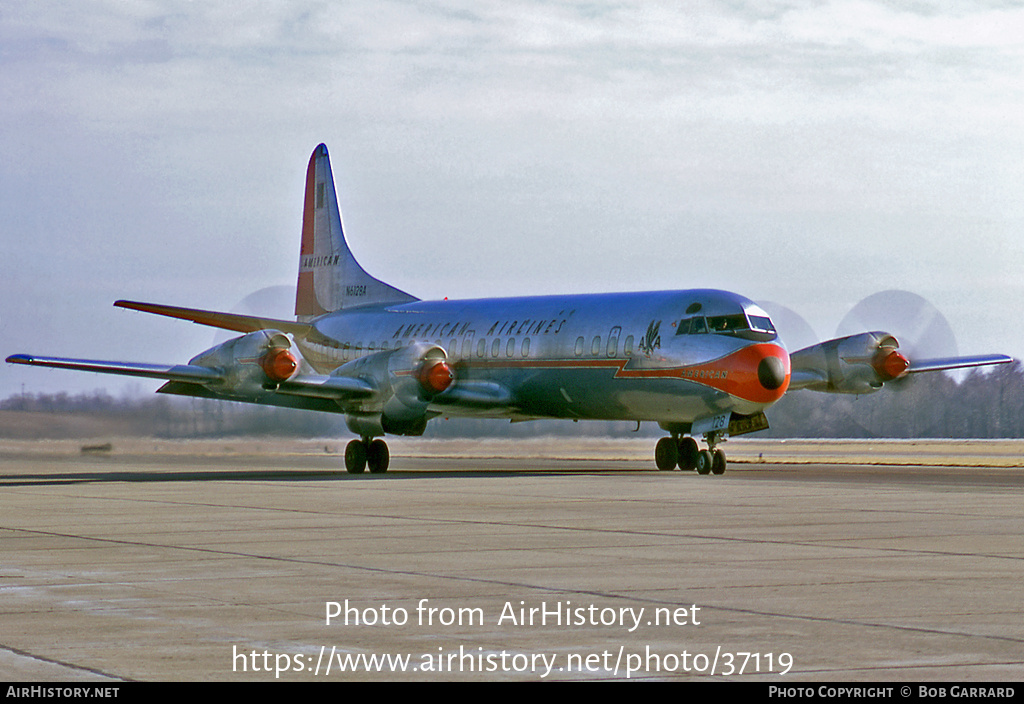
[(187, 562)]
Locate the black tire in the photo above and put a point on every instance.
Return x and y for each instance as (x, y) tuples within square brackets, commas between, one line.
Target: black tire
[(703, 462), (688, 451), (355, 457), (377, 457), (666, 454), (718, 462)]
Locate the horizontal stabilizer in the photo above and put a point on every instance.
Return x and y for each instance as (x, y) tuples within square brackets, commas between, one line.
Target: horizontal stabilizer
[(226, 321), (177, 372)]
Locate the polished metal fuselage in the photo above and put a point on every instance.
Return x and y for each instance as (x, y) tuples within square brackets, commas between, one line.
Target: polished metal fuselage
[(597, 356)]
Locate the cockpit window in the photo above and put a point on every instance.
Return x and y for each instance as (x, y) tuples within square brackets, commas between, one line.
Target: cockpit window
[(691, 326), (757, 327), (760, 323), (728, 323)]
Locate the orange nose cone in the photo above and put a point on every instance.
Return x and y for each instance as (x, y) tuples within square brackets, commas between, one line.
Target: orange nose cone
[(279, 365), (758, 373), (891, 366), (772, 373), (436, 377)]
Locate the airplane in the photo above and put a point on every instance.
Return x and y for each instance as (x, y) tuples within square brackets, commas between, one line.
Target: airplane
[(700, 363)]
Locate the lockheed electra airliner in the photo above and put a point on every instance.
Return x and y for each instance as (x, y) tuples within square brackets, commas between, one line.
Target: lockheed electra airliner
[(700, 363)]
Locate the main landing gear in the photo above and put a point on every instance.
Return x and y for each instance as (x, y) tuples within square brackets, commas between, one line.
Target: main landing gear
[(360, 454), (684, 453)]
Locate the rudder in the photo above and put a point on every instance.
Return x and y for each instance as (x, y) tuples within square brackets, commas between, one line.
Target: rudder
[(330, 278)]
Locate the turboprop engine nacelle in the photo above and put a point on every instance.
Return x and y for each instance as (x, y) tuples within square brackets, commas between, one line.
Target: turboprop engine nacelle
[(406, 379), (252, 363), (858, 364)]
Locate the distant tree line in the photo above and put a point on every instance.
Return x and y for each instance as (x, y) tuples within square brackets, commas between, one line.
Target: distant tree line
[(984, 404), (164, 416)]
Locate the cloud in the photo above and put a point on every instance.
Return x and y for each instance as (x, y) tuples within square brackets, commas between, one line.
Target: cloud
[(778, 148)]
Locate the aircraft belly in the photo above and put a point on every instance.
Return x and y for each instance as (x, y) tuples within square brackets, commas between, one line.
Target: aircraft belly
[(598, 395)]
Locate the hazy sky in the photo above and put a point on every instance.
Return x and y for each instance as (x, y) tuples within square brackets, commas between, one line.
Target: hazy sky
[(808, 154)]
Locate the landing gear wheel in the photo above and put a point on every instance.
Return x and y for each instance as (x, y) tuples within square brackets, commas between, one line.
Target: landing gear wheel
[(688, 451), (355, 457), (718, 462), (666, 454), (378, 457), (703, 462)]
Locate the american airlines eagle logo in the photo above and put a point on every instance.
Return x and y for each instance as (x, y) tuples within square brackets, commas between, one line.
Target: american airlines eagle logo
[(652, 339)]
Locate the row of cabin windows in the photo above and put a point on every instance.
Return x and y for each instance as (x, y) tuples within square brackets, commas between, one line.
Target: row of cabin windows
[(611, 350), (357, 350), (510, 347)]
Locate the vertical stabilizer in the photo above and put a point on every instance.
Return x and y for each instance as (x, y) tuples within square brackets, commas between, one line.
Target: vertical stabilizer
[(330, 278)]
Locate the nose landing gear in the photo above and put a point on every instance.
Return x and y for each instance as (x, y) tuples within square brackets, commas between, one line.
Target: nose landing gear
[(683, 452)]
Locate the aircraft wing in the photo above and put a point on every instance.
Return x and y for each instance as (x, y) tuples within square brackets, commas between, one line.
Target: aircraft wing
[(864, 362), (940, 365), (178, 372), (338, 388), (195, 380)]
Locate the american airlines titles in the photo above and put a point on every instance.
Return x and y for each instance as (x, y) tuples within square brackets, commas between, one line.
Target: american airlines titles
[(525, 327), (311, 262), (705, 373)]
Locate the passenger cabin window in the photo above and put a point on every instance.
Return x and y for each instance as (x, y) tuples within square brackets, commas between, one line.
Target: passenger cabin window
[(613, 341), (579, 346), (627, 346)]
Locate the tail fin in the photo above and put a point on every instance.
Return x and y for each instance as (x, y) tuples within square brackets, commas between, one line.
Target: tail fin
[(330, 278)]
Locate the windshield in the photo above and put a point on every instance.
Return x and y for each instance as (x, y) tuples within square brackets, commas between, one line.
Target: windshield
[(757, 327), (761, 323)]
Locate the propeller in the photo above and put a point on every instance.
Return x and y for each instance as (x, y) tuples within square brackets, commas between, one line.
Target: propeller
[(918, 325), (791, 326), (269, 302), (922, 332)]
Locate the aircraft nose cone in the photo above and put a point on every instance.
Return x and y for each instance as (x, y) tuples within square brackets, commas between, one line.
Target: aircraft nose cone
[(771, 373)]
